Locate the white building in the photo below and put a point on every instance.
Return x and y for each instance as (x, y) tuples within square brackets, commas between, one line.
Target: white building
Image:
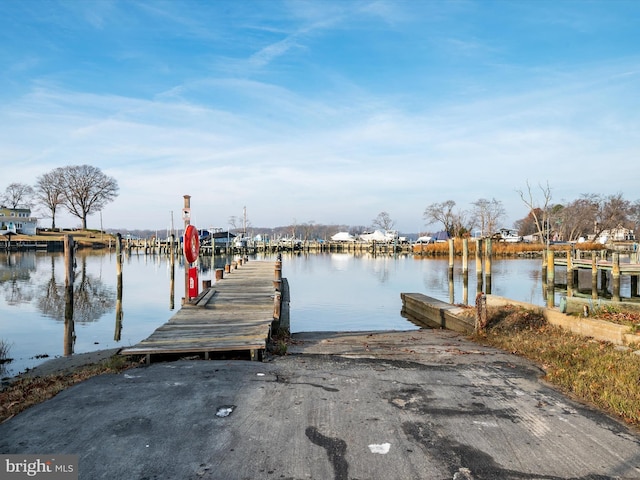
[(17, 220)]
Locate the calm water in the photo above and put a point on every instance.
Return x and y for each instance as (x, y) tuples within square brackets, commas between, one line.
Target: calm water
[(328, 292)]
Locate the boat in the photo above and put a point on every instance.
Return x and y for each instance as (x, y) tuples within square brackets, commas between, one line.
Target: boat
[(508, 236), (379, 236), (343, 237)]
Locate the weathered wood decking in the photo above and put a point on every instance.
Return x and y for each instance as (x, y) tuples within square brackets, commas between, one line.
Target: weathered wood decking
[(235, 314)]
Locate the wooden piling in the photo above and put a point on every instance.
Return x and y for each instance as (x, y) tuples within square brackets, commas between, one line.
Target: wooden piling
[(615, 277), (119, 314), (69, 328), (594, 277), (488, 260), (452, 253), (551, 279), (479, 245), (570, 273), (219, 274)]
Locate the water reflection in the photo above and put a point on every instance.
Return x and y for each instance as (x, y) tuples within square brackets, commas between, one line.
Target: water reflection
[(16, 270), (333, 291)]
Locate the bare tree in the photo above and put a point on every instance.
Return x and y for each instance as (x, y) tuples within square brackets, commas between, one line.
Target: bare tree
[(17, 194), (462, 224), (48, 192), (383, 221), (487, 214), (577, 218), (539, 212), (87, 190), (443, 213), (308, 230), (634, 215), (614, 212)]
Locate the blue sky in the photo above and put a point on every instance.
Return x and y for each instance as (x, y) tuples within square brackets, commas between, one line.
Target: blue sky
[(324, 111)]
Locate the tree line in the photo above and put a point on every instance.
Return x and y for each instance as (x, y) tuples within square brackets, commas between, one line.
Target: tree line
[(80, 189), (587, 216)]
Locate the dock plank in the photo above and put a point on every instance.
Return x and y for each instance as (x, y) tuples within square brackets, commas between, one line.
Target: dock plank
[(235, 314)]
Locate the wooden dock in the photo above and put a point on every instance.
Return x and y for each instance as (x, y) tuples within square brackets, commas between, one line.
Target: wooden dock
[(234, 315)]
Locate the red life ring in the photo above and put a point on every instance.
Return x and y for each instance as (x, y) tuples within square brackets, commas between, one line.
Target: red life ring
[(191, 243)]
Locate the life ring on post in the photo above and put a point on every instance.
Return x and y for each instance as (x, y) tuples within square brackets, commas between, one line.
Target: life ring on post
[(191, 243)]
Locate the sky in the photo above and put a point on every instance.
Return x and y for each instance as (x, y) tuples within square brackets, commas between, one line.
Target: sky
[(324, 111)]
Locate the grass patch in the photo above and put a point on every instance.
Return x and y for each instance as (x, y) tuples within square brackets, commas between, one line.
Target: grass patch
[(595, 372), (279, 342), (501, 248), (25, 392)]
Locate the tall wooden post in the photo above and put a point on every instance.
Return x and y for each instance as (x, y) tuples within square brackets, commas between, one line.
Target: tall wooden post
[(465, 271), (452, 252), (69, 328), (487, 271), (594, 276), (479, 247), (118, 330), (551, 278), (615, 277), (172, 272), (569, 274)]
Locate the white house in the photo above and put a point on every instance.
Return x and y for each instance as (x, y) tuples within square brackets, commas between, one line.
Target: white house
[(17, 220), (618, 234)]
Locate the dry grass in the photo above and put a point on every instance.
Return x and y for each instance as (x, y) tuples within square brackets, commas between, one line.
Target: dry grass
[(26, 392), (595, 372), (500, 248), (84, 238)]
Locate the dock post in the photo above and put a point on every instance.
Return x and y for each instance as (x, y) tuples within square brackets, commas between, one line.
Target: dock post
[(487, 271), (277, 297), (69, 328), (118, 330), (479, 245), (277, 275), (452, 251), (569, 274), (594, 276), (551, 278), (615, 276), (465, 271)]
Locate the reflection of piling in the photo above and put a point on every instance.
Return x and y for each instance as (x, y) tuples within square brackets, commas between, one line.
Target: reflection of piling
[(69, 329), (118, 329)]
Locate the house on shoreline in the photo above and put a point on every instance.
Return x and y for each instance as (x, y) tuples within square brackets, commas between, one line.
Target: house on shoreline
[(17, 221)]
